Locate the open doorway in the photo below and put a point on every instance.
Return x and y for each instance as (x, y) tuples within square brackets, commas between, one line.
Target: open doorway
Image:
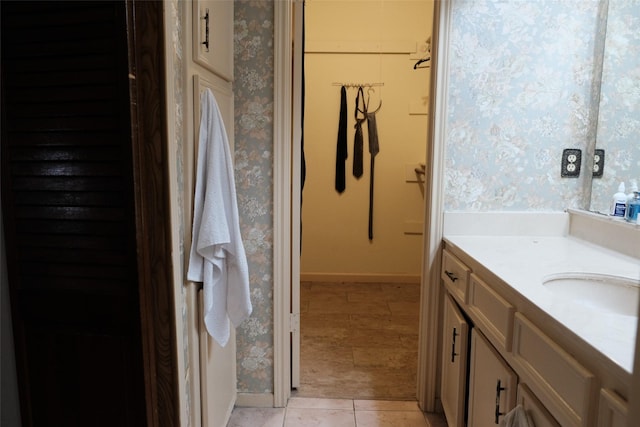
[(360, 266)]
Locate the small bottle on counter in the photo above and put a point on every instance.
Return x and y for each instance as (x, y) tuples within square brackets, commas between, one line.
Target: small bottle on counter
[(619, 202), (633, 207), (632, 190)]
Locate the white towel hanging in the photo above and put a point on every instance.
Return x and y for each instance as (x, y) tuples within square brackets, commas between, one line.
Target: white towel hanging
[(517, 417), (217, 256)]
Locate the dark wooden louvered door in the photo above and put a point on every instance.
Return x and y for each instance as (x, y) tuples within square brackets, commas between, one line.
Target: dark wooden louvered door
[(69, 213)]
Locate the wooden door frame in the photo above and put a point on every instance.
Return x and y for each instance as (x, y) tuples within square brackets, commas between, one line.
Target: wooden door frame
[(147, 75)]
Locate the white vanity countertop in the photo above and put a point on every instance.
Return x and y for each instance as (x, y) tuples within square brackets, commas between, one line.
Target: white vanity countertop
[(523, 262)]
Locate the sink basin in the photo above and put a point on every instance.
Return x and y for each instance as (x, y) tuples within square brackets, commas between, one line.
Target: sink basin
[(614, 294)]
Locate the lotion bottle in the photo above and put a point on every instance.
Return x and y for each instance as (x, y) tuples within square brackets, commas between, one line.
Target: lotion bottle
[(619, 202)]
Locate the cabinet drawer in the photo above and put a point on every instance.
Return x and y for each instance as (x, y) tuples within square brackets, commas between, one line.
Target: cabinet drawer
[(492, 313), (563, 385), (534, 409), (455, 275), (612, 410)]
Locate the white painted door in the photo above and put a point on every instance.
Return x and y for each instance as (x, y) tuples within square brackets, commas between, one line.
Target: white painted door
[(296, 119)]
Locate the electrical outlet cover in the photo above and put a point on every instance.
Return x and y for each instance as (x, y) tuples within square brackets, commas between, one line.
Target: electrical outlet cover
[(598, 163), (571, 161)]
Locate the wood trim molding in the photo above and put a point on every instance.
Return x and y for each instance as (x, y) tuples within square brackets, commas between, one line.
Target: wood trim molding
[(359, 278), (151, 193), (431, 304), (282, 202)]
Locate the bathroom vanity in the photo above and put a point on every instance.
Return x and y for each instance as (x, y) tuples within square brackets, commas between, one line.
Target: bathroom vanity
[(532, 319)]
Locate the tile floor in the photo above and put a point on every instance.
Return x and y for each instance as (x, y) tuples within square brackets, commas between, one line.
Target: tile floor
[(317, 412), (358, 360), (359, 340)]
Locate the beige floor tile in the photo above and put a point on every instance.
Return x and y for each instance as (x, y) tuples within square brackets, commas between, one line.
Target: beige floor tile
[(257, 417), (320, 319), (357, 349), (330, 333), (298, 417), (386, 405), (344, 287), (328, 350), (385, 322), (374, 340), (330, 305), (398, 358), (390, 419), (406, 308), (304, 307), (318, 403), (401, 288), (409, 340), (363, 295)]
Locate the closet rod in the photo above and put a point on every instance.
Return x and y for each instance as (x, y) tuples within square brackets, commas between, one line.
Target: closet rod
[(357, 84)]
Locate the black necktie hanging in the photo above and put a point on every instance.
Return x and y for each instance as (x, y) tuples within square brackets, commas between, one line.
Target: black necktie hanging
[(341, 148), (358, 140), (374, 149)]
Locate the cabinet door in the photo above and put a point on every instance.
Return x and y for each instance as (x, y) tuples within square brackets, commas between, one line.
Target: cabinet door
[(492, 384), (213, 36), (612, 411), (534, 408), (454, 363)]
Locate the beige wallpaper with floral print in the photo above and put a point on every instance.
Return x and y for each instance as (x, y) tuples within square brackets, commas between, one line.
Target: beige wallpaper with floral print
[(253, 90)]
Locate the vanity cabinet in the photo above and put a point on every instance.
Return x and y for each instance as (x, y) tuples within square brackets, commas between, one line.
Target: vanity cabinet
[(492, 384), (516, 356), (454, 363)]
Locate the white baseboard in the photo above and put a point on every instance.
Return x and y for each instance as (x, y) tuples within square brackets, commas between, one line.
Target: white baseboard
[(255, 400), (359, 278)]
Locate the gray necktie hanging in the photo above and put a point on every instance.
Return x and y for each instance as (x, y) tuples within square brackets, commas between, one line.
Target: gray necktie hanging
[(374, 149)]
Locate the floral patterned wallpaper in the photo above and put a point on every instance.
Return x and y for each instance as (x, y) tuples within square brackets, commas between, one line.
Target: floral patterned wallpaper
[(520, 91), (253, 90), (619, 113)]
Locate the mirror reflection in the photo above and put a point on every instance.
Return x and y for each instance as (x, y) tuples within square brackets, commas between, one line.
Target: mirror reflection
[(619, 113)]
